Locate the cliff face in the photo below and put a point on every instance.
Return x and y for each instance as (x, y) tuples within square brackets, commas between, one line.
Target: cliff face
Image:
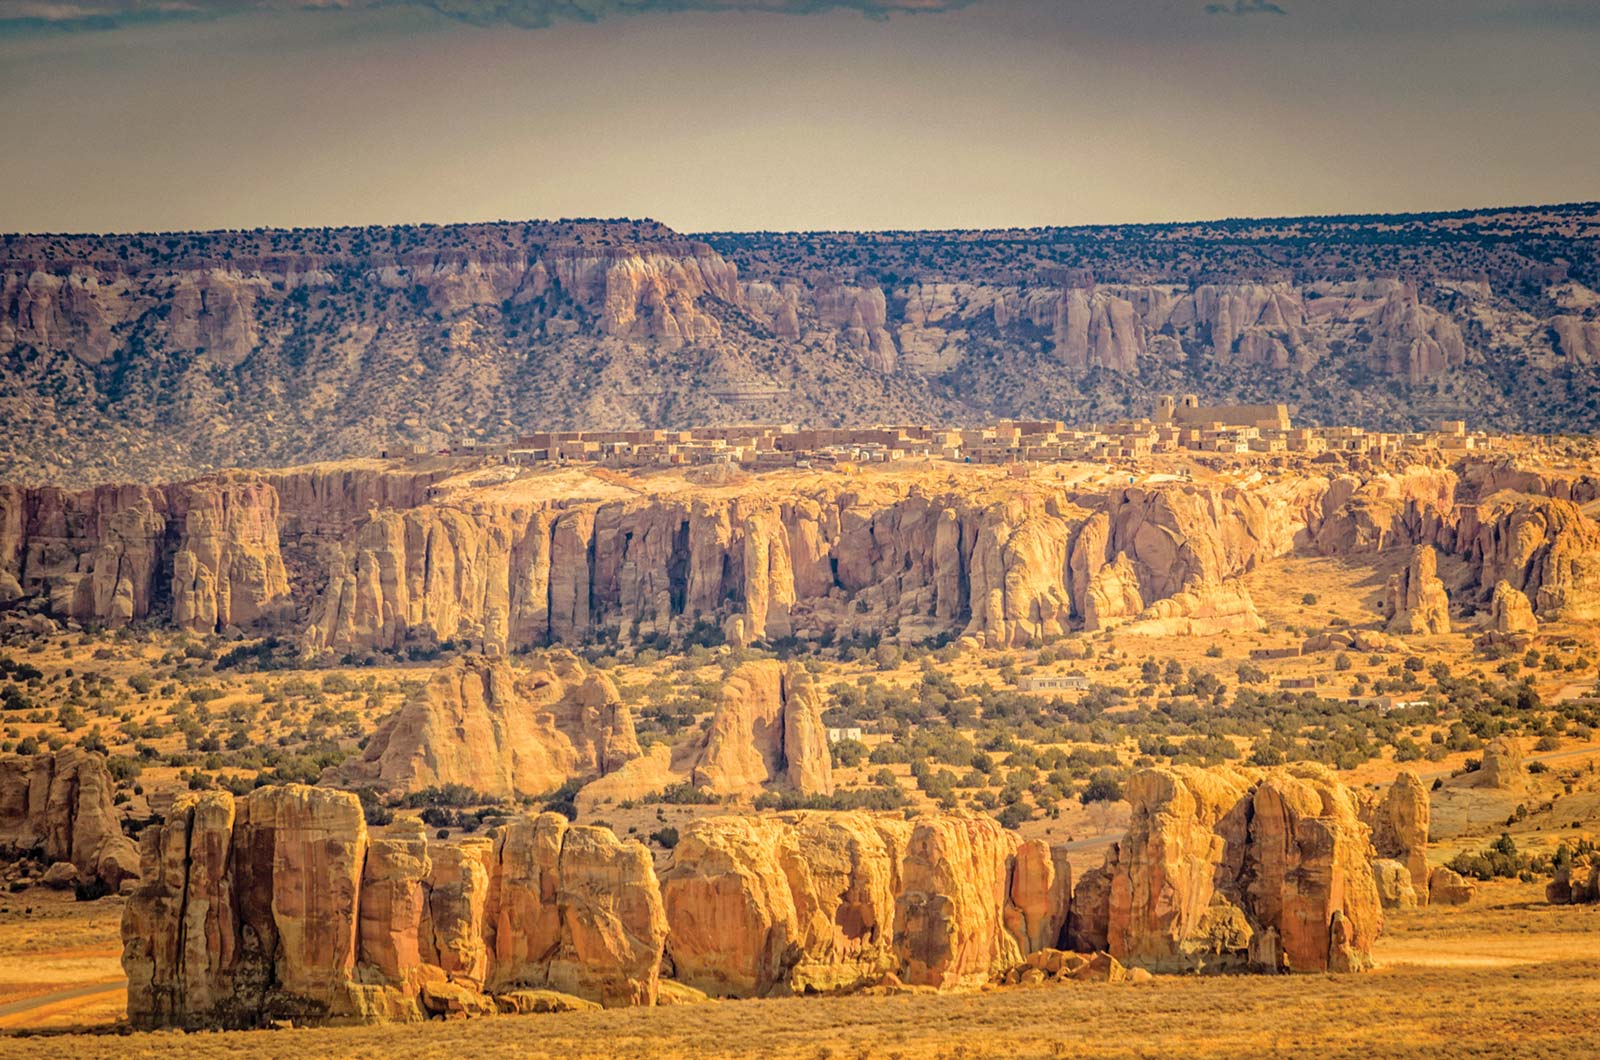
[(161, 356), (1224, 870), (58, 805), (280, 904), (353, 559)]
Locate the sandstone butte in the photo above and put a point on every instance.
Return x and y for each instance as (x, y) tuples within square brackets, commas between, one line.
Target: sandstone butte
[(57, 806), (411, 558), (281, 905)]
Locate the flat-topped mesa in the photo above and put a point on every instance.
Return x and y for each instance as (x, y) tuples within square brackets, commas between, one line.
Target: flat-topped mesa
[(767, 731), (503, 731), (371, 558), (279, 905), (57, 805), (1235, 870)]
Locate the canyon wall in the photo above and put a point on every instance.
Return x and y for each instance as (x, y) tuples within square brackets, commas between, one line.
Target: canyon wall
[(351, 560)]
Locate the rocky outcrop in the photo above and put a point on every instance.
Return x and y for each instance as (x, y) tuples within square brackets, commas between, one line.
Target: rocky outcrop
[(1502, 768), (1229, 870), (1201, 609), (1399, 821), (1417, 600), (503, 731), (57, 806), (280, 905), (1544, 548), (1575, 883), (803, 903), (202, 555), (1510, 611), (767, 731)]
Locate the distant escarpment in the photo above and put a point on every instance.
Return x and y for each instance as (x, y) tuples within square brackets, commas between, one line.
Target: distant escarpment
[(281, 905), (163, 355), (351, 560)]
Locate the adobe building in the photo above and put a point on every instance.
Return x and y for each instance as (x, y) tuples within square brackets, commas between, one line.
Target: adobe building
[(1188, 412)]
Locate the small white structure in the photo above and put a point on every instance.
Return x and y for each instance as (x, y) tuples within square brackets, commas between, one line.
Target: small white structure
[(852, 732), (1053, 683)]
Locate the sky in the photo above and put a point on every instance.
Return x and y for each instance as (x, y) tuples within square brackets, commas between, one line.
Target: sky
[(145, 115)]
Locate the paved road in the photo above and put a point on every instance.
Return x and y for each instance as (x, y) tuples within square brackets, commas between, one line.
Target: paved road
[(72, 993)]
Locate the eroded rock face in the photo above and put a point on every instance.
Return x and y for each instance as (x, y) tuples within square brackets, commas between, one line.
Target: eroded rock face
[(280, 905), (1510, 611), (767, 731), (59, 805), (1502, 767), (500, 730), (1225, 869), (101, 555), (1417, 600), (1399, 823), (828, 901)]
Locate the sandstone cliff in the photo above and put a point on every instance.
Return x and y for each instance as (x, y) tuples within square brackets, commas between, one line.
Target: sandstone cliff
[(1230, 870), (359, 559), (280, 905), (58, 806), (766, 731), (503, 731)]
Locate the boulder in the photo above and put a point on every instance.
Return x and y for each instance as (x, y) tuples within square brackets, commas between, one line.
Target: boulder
[(1393, 880), (1448, 887)]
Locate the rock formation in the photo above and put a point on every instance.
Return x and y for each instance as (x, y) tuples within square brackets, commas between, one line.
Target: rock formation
[(766, 731), (279, 905), (1502, 768), (1417, 600), (1510, 611), (1446, 886), (364, 559), (1229, 870), (500, 730), (803, 903), (1575, 883), (1399, 823), (57, 806)]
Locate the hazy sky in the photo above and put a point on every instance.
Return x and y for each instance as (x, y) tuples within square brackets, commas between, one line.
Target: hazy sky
[(748, 114)]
